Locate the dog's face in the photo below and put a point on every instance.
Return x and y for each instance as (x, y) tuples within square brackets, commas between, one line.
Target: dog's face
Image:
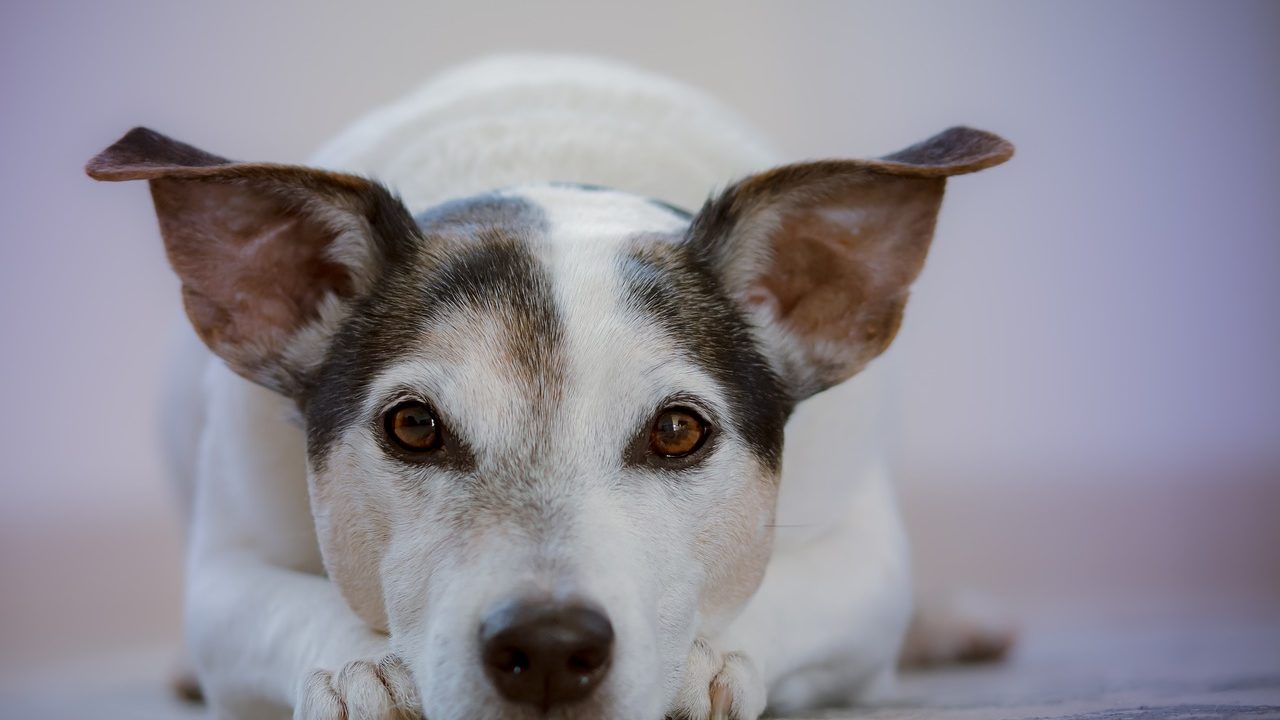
[(545, 424), (545, 401)]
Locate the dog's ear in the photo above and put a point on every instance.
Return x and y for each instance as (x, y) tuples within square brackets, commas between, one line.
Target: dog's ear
[(822, 254), (270, 256)]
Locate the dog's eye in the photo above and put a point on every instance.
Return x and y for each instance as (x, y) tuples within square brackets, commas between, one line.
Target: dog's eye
[(677, 432), (413, 427)]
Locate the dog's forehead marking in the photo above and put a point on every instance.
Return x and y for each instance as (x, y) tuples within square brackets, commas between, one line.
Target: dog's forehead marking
[(611, 366)]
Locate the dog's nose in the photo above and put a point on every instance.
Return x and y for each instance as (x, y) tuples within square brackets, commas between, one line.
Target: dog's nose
[(545, 653)]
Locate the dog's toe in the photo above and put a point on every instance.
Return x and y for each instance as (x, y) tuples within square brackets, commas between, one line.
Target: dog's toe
[(738, 691), (361, 690), (719, 687)]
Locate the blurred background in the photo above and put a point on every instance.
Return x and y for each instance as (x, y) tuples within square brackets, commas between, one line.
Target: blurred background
[(1088, 417)]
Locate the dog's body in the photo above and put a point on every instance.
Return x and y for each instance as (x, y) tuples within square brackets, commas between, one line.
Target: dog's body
[(547, 320)]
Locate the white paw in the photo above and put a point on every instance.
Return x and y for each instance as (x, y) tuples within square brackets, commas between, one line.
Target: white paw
[(362, 690), (718, 687)]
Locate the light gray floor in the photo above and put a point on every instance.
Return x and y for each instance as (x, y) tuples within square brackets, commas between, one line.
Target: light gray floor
[(1191, 671)]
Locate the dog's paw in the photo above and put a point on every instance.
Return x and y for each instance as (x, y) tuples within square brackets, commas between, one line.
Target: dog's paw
[(957, 628), (362, 690), (718, 687)]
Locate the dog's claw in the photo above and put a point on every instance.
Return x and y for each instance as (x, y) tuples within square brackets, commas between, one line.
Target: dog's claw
[(720, 701)]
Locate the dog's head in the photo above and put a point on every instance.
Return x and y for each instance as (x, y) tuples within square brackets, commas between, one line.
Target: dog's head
[(545, 425)]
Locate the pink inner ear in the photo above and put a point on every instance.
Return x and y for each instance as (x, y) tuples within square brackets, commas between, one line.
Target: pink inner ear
[(841, 268), (253, 271)]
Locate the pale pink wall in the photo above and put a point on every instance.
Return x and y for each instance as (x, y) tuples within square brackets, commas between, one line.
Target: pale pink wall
[(1096, 330)]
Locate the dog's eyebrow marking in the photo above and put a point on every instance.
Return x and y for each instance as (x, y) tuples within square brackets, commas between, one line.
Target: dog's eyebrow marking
[(476, 255), (502, 276), (666, 284)]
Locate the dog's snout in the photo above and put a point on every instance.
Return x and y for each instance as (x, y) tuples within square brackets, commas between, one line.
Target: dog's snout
[(546, 653)]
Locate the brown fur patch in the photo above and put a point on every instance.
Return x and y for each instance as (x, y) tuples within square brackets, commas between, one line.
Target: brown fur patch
[(253, 272), (846, 286)]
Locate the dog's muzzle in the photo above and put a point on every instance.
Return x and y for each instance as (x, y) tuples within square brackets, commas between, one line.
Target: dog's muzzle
[(545, 653)]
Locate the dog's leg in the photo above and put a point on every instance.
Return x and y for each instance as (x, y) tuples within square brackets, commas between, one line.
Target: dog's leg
[(262, 635), (268, 632), (258, 632), (182, 418), (827, 622)]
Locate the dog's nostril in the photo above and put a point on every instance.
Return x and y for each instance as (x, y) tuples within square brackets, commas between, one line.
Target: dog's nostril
[(546, 654), (587, 661), (509, 660)]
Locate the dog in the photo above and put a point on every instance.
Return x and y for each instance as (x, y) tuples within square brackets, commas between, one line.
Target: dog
[(500, 433)]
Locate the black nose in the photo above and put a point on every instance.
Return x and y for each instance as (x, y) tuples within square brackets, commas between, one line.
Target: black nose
[(546, 653)]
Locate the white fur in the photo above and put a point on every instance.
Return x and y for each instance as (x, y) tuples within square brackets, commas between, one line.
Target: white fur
[(829, 617)]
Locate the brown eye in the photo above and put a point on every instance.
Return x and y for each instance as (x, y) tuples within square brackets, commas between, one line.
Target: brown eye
[(413, 427), (677, 432)]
